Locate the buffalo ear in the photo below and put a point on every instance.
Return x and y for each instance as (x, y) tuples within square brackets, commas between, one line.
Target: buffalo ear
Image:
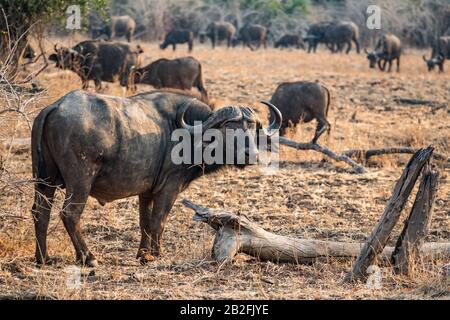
[(53, 57)]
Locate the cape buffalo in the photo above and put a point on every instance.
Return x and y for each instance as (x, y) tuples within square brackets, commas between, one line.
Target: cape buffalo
[(252, 33), (342, 33), (440, 52), (388, 48), (217, 32), (316, 34), (302, 102), (112, 148), (119, 26), (98, 61), (290, 40), (178, 36), (181, 73)]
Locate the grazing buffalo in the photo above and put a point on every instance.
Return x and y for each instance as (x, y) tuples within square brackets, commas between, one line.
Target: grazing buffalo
[(98, 61), (178, 36), (120, 26), (252, 33), (302, 102), (440, 52), (217, 32), (290, 40), (112, 148), (342, 33), (388, 48), (181, 73)]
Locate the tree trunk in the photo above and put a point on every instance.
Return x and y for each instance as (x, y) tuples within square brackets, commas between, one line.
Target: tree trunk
[(382, 231), (417, 225)]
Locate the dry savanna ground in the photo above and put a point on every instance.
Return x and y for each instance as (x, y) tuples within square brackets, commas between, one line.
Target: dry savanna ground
[(309, 196)]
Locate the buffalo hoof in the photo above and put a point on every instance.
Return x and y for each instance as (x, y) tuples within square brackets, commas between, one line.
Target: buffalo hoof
[(49, 261), (89, 262), (144, 256)]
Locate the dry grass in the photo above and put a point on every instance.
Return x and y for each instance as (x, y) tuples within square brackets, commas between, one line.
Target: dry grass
[(307, 197)]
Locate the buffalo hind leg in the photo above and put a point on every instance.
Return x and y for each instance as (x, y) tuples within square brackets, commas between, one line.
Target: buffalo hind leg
[(322, 126), (145, 212), (349, 47), (74, 204), (390, 65), (398, 64), (43, 201), (162, 204), (357, 45)]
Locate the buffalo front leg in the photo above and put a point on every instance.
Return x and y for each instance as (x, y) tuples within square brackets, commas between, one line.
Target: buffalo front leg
[(73, 208), (162, 203), (85, 84), (145, 211), (98, 85), (43, 201)]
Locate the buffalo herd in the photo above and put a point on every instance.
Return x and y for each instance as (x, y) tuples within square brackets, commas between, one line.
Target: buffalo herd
[(117, 147)]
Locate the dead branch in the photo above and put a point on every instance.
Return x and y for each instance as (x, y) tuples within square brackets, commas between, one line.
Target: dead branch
[(42, 68), (365, 155), (417, 225), (417, 102), (238, 234), (382, 231), (316, 147)]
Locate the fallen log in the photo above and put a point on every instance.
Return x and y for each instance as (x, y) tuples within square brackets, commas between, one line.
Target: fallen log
[(414, 101), (238, 234), (365, 155), (316, 147), (382, 231), (417, 225)]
